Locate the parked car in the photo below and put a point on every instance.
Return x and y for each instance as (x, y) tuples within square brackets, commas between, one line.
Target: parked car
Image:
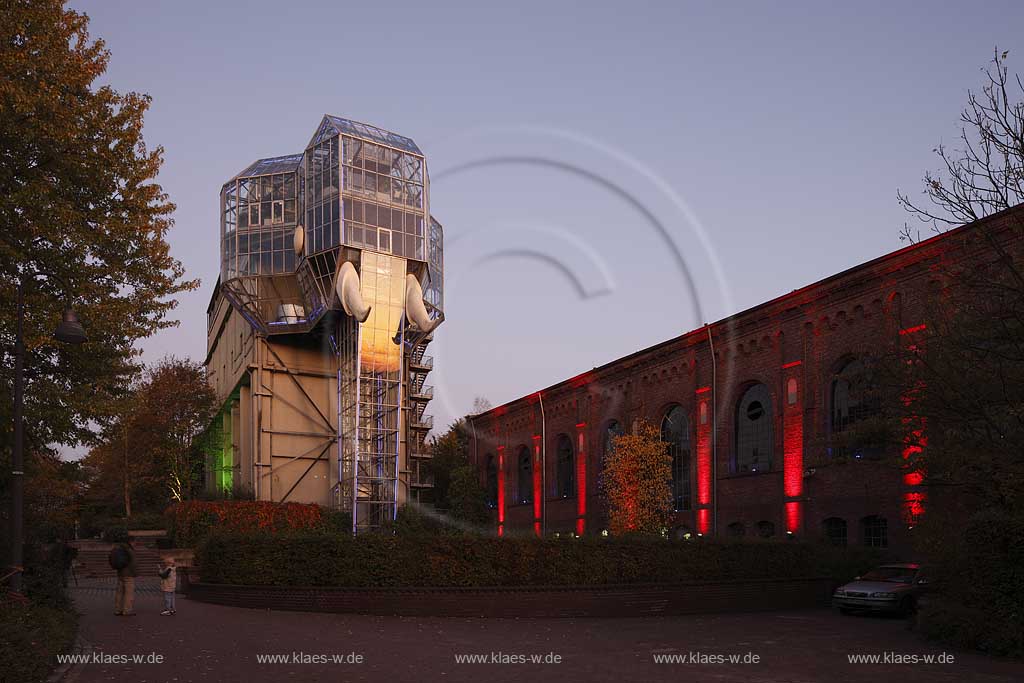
[(892, 588)]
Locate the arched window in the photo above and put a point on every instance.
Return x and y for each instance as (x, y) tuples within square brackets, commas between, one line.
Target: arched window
[(610, 432), (565, 481), (875, 531), (754, 430), (852, 401), (834, 530), (765, 529), (675, 431), (736, 529), (525, 478), (492, 481)]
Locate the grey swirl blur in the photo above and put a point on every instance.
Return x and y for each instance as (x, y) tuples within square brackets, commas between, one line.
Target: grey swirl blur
[(670, 225)]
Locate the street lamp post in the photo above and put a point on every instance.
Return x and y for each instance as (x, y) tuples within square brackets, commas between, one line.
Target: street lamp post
[(69, 331)]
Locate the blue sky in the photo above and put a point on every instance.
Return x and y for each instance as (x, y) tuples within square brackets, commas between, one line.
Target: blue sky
[(766, 138)]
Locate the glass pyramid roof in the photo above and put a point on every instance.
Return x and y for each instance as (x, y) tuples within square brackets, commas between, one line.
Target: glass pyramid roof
[(270, 165), (332, 125)]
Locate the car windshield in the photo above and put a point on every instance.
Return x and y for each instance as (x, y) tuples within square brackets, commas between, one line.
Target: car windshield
[(893, 574)]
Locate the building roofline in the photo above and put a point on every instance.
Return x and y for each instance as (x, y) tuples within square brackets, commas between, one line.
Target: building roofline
[(901, 253)]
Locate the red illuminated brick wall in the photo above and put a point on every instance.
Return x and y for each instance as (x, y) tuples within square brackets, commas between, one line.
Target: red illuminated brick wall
[(805, 336)]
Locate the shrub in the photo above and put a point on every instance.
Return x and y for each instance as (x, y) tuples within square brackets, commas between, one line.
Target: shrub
[(311, 558), (192, 520), (974, 628), (418, 521), (34, 632), (47, 567), (977, 598), (33, 635)]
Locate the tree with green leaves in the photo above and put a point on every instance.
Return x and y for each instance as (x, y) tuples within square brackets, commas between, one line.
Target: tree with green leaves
[(638, 482), (457, 489), (78, 204)]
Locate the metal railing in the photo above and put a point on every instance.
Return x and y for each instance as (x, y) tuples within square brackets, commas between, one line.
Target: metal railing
[(419, 475), (423, 393), (422, 422), (423, 363)]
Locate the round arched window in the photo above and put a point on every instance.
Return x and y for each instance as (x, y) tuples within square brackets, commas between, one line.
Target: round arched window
[(675, 431), (525, 476), (564, 467), (754, 431)]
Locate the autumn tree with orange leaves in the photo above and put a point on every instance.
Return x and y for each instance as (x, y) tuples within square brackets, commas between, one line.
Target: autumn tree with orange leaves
[(637, 482)]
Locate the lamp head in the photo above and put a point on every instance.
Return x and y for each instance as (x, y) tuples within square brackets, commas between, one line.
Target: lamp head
[(70, 330)]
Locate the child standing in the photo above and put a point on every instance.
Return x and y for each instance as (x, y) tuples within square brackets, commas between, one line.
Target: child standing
[(168, 583)]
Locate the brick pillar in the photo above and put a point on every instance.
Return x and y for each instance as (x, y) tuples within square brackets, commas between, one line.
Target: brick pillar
[(915, 438), (581, 479), (793, 446), (501, 490), (704, 456)]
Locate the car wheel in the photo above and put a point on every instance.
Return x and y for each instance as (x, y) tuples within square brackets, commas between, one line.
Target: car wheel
[(845, 611), (908, 606)]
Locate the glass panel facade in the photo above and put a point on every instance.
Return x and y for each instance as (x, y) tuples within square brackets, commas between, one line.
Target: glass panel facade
[(323, 213), (259, 214), (371, 376), (383, 193), (433, 292)]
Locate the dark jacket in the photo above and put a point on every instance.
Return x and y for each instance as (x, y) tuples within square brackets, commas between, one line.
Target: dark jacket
[(130, 569)]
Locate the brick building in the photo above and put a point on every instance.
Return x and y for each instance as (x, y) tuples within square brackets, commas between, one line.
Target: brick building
[(750, 406)]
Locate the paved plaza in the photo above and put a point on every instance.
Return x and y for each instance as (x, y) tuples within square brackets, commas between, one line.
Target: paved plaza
[(206, 642)]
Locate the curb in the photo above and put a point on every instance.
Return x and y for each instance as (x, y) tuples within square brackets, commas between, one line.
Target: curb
[(69, 670)]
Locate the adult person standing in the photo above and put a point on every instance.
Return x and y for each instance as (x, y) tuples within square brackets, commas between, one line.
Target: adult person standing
[(122, 559)]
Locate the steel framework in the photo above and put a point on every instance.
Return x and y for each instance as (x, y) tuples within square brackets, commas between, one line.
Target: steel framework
[(358, 195)]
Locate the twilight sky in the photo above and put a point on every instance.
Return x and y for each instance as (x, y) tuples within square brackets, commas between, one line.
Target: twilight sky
[(609, 175)]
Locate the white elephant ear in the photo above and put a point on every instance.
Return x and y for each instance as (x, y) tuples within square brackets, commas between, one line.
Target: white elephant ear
[(415, 310), (348, 291)]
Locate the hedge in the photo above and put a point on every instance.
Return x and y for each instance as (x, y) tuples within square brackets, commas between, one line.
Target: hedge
[(192, 520), (977, 597), (377, 560)]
